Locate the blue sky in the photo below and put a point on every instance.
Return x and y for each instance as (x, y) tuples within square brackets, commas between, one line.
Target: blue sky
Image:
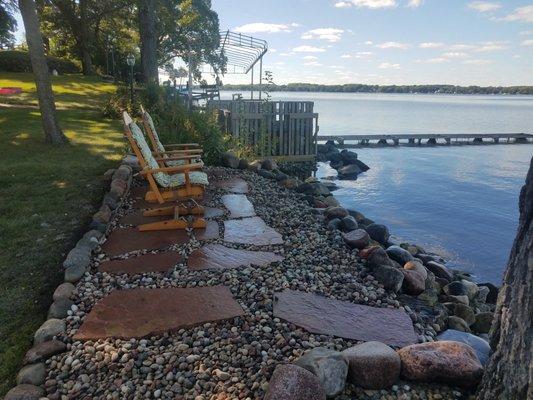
[(389, 41)]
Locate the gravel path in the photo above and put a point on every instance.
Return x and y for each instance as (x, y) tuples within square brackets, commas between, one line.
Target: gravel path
[(235, 358)]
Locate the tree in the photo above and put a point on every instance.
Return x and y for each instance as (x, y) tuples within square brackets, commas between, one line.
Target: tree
[(52, 131), (509, 374), (148, 39), (8, 24)]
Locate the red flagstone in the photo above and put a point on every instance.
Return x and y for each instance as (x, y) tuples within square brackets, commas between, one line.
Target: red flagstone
[(238, 205), (210, 232), (250, 231), (122, 241), (326, 316), (136, 218), (216, 256), (160, 262), (233, 185), (139, 313)]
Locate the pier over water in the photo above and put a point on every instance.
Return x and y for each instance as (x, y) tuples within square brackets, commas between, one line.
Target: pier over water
[(426, 139)]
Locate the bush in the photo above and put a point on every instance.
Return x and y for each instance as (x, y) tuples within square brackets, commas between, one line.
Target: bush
[(19, 61), (171, 119)]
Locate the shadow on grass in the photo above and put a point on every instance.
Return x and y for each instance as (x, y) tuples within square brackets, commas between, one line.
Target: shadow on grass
[(48, 195)]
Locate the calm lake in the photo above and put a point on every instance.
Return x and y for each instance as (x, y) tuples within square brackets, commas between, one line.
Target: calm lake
[(459, 201)]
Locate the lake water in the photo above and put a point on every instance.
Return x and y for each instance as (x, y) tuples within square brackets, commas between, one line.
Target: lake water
[(458, 201)]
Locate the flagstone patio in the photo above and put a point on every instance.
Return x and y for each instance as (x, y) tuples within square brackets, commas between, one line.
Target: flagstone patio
[(160, 262)]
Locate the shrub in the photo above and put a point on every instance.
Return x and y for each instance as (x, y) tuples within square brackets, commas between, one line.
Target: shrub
[(173, 122), (19, 61)]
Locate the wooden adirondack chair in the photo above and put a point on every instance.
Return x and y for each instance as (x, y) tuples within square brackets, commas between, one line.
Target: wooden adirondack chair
[(176, 183), (189, 151)]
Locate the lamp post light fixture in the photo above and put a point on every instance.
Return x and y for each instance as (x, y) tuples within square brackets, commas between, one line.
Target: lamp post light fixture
[(130, 60)]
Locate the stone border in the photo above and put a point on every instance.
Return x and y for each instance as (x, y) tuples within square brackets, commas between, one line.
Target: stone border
[(32, 375)]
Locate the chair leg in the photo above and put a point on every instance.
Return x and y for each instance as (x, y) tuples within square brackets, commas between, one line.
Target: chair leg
[(171, 210), (172, 224)]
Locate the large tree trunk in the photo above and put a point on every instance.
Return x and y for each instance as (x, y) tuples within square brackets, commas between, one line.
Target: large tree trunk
[(148, 34), (85, 41), (52, 131), (509, 374)]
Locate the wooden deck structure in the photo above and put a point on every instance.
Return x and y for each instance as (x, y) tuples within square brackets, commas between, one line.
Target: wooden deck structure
[(431, 139), (284, 130)]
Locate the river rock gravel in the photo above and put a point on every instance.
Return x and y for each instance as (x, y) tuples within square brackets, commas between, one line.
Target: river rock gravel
[(233, 359)]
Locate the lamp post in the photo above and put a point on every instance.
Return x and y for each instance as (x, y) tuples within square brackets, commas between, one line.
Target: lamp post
[(130, 60)]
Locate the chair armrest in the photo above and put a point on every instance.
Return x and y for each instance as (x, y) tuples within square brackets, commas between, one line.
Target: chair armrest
[(191, 151), (177, 168), (176, 158), (182, 145)]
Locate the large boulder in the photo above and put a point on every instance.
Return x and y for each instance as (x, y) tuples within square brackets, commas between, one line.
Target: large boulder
[(458, 324), (456, 288), (492, 296), (391, 278), (25, 392), (291, 382), (329, 366), (417, 266), (357, 239), (439, 270), (313, 189), (230, 160), (335, 212), (348, 223), (348, 157), (372, 365), (32, 374), (480, 346), (413, 282), (483, 322), (471, 288), (43, 351), (377, 256), (349, 171), (448, 362), (269, 164), (379, 233), (462, 311), (48, 330), (399, 255)]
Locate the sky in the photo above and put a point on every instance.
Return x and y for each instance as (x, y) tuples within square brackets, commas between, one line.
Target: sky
[(388, 41)]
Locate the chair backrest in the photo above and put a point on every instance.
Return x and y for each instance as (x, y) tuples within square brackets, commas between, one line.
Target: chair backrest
[(140, 147), (149, 127)]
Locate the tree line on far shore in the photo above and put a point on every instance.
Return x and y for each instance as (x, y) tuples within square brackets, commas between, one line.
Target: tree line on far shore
[(362, 88)]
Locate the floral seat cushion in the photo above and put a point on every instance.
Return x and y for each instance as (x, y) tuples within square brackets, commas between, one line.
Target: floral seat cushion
[(162, 178)]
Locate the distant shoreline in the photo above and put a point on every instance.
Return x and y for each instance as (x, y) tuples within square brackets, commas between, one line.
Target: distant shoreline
[(391, 89)]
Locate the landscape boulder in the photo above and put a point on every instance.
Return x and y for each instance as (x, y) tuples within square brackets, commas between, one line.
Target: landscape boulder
[(329, 366), (379, 233), (416, 265), (269, 164), (348, 157), (456, 288), (32, 374), (349, 171), (462, 311), (48, 330), (348, 223), (372, 365), (447, 362), (230, 160), (59, 308), (43, 351), (25, 392), (291, 382), (457, 323), (63, 291), (399, 255), (357, 239), (483, 322), (391, 278), (439, 270), (313, 189), (413, 282), (492, 296), (335, 212), (480, 346)]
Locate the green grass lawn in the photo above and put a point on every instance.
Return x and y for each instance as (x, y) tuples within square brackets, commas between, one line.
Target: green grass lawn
[(71, 91), (47, 197)]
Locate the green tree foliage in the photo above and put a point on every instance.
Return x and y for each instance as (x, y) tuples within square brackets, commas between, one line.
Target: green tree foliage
[(8, 24), (361, 88)]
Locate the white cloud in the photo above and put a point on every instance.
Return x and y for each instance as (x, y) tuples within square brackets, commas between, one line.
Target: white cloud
[(262, 27), (330, 34), (310, 58), (369, 42), (363, 54), (528, 42), (387, 65), (308, 49), (484, 6), (367, 4), (415, 3), (393, 45), (430, 45), (476, 62), (313, 64), (346, 56), (461, 47), (456, 54), (522, 14), (526, 33), (436, 60), (491, 46)]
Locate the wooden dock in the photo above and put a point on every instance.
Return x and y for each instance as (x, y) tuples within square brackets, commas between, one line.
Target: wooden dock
[(428, 139)]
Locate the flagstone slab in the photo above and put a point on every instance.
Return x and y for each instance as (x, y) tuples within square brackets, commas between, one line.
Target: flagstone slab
[(217, 256), (250, 231), (238, 205), (325, 316), (122, 241), (136, 218), (137, 313), (210, 232), (160, 262), (233, 185)]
